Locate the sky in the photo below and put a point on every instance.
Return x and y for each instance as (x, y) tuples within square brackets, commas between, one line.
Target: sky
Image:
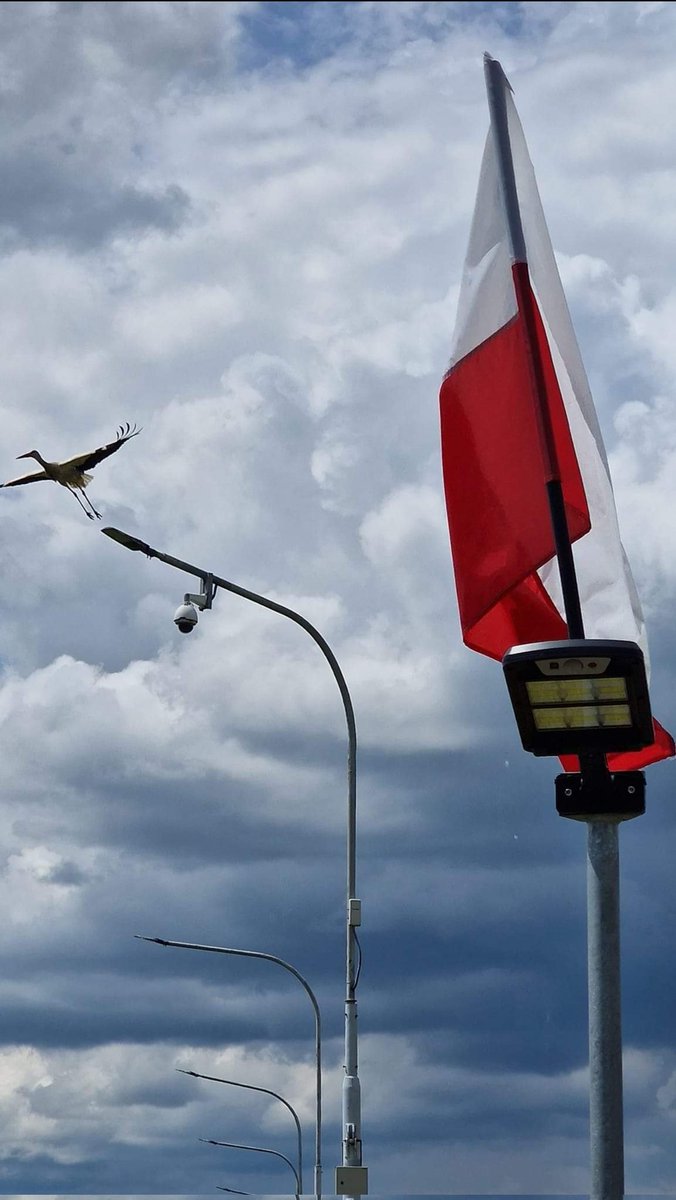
[(242, 226)]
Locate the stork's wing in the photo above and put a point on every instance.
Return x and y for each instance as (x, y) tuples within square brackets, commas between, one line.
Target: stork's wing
[(84, 462), (26, 479)]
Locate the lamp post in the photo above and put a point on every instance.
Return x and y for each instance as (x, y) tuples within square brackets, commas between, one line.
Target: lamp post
[(594, 794), (318, 1043), (259, 1150), (351, 1177), (252, 1087), (590, 698)]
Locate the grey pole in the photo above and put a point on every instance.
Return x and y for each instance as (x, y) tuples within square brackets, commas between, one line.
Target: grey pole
[(351, 1095), (605, 1017), (603, 941)]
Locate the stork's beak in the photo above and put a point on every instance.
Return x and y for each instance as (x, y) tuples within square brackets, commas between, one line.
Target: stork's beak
[(23, 456)]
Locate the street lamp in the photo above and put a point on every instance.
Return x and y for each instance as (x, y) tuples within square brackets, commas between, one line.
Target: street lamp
[(590, 698), (259, 1150), (318, 1041), (252, 1087), (580, 695), (351, 1177)]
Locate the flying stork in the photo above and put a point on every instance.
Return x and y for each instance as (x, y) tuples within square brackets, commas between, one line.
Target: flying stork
[(71, 474)]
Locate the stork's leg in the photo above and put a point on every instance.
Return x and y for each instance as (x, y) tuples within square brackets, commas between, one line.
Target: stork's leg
[(85, 497), (74, 493)]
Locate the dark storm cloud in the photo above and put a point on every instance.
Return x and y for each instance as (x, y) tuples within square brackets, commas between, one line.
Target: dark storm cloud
[(57, 50), (67, 873), (72, 1020), (72, 170), (121, 1172), (51, 202), (281, 340)]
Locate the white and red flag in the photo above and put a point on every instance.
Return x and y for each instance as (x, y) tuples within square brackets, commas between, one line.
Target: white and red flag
[(499, 454)]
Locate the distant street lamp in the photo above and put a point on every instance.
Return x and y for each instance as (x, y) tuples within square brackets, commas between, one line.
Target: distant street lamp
[(259, 1150), (318, 1042), (268, 1092), (351, 1177)]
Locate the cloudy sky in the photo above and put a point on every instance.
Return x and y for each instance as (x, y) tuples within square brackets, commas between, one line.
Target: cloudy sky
[(242, 226)]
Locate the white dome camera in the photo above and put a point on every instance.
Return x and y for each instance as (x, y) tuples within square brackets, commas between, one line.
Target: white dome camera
[(186, 617)]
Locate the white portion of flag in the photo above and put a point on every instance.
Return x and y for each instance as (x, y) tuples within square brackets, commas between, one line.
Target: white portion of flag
[(610, 603), (487, 300)]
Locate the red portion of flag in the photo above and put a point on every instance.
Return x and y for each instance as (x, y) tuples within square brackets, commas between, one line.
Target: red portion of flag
[(523, 614), (496, 499), (632, 760), (516, 416), (494, 478)]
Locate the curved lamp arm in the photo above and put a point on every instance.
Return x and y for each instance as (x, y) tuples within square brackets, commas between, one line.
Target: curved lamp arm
[(318, 1023), (259, 1150), (252, 1087)]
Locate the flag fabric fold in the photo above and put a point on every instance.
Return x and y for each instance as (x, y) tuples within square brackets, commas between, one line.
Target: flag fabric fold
[(496, 458)]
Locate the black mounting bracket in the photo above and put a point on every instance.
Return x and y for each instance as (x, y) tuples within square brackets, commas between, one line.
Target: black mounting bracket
[(620, 796)]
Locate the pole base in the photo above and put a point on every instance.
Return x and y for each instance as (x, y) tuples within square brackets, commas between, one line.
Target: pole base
[(617, 797)]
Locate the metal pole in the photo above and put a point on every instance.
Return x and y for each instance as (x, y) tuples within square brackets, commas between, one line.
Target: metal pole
[(351, 1097), (605, 1018), (603, 944), (496, 83)]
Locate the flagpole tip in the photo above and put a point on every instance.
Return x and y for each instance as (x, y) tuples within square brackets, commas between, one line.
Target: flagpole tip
[(494, 70)]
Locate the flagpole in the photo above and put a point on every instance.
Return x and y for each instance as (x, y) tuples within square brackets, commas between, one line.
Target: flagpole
[(603, 913), (496, 82)]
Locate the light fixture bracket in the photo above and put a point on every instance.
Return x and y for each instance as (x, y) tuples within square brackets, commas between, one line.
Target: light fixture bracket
[(616, 797)]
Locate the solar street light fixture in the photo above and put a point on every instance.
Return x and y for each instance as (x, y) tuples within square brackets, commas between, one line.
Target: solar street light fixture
[(582, 696)]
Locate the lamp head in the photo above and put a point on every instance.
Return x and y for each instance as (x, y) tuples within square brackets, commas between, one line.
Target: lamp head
[(579, 696), (126, 540)]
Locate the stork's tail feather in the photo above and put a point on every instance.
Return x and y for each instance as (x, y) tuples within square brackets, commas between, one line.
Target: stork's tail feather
[(127, 431)]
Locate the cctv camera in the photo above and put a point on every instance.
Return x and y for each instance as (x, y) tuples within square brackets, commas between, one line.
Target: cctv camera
[(186, 617)]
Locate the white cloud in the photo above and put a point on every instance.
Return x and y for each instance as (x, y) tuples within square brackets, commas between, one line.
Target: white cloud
[(242, 226)]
